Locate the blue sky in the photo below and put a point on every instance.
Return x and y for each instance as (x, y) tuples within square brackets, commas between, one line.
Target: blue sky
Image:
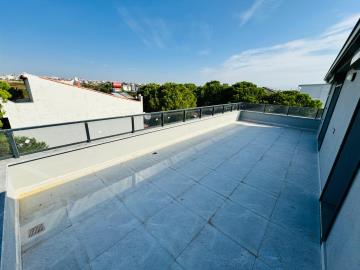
[(275, 43)]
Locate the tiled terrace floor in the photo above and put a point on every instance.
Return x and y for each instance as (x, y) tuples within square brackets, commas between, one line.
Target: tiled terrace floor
[(241, 197)]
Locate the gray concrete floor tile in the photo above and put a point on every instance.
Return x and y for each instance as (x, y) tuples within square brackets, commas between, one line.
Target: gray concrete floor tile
[(114, 174), (245, 158), (212, 160), (220, 183), (192, 168), (306, 174), (213, 250), (146, 201), (172, 182), (272, 168), (138, 250), (242, 225), (54, 220), (301, 217), (282, 249), (89, 204), (298, 194), (233, 170), (152, 170), (265, 181), (64, 251), (176, 266), (182, 156), (260, 202), (139, 164), (104, 228), (259, 265), (278, 158), (145, 213), (174, 227), (202, 201)]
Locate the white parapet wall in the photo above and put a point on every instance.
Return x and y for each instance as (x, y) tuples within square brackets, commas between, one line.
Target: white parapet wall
[(36, 175), (55, 102), (280, 120)]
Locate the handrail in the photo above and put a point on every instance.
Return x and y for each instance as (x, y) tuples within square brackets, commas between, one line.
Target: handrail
[(159, 121)]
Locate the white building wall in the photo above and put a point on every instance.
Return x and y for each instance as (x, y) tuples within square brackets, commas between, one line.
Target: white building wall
[(338, 125), (343, 243), (316, 91), (55, 102)]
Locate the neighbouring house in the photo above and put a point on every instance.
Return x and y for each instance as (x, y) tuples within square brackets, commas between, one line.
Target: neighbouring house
[(52, 102), (117, 86), (130, 87), (316, 91)]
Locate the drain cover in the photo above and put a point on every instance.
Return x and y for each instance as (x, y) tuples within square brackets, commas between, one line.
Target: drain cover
[(36, 230)]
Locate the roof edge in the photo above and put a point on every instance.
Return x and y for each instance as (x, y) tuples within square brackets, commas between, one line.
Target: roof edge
[(348, 43), (89, 89)]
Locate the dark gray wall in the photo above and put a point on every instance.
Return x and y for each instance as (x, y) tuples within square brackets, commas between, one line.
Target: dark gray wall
[(340, 120), (343, 244)]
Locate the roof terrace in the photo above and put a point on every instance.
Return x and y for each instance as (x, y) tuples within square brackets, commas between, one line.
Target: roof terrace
[(238, 196)]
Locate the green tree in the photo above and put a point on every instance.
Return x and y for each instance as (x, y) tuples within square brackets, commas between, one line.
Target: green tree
[(150, 93), (29, 144), (213, 93), (4, 96), (293, 98), (174, 96), (169, 96), (248, 92), (16, 93), (105, 87), (191, 86), (23, 143)]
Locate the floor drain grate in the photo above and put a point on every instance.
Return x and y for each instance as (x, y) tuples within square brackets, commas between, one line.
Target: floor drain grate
[(36, 230)]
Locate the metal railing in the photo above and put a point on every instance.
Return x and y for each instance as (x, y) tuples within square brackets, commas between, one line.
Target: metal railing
[(21, 141)]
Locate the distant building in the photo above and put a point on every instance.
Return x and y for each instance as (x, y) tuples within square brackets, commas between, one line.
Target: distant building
[(316, 91), (130, 87), (117, 86), (9, 77), (52, 101)]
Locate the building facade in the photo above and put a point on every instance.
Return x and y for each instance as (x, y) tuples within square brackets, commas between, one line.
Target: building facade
[(55, 102), (339, 160)]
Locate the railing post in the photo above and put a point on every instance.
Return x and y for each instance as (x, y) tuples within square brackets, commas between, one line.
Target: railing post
[(238, 106), (264, 108), (213, 110), (132, 124), (316, 114), (184, 115), (13, 146), (162, 119), (287, 113), (200, 113), (231, 107), (88, 139), (223, 109)]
